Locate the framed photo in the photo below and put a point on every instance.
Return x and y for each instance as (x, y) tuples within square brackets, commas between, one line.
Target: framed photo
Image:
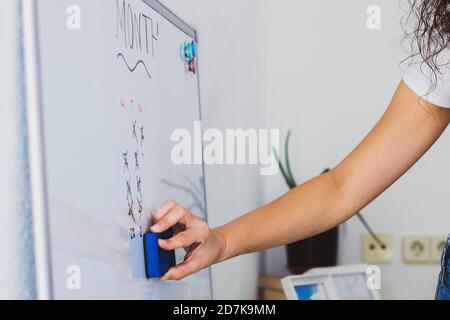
[(309, 287), (350, 281)]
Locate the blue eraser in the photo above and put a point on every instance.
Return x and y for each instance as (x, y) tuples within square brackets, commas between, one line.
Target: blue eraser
[(157, 261)]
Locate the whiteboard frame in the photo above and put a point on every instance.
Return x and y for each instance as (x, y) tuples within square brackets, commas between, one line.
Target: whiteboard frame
[(172, 17), (44, 285), (39, 191)]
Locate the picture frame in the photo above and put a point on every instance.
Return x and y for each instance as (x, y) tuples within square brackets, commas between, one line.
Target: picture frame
[(309, 287), (349, 281)]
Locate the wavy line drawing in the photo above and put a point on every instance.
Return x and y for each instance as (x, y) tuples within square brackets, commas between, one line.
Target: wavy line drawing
[(133, 69)]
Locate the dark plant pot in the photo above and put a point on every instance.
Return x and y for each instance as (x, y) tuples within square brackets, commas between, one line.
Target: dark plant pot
[(318, 251)]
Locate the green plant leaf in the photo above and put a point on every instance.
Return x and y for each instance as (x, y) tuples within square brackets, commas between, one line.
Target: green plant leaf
[(283, 171)]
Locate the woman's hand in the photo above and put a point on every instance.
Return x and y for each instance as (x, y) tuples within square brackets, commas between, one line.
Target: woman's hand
[(203, 245)]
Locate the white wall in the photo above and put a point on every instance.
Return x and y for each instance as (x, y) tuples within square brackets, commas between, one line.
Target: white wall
[(329, 80), (232, 69)]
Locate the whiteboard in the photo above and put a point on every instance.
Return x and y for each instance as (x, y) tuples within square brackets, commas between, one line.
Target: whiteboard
[(104, 100)]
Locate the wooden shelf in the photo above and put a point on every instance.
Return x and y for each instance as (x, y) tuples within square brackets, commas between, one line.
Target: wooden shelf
[(270, 288)]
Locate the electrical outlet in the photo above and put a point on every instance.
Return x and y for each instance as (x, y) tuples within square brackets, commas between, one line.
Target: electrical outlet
[(436, 247), (373, 252), (416, 249)]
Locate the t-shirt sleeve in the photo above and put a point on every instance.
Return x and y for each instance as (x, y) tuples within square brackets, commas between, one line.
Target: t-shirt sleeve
[(419, 77)]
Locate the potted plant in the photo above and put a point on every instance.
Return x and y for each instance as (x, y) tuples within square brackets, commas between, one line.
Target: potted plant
[(318, 251)]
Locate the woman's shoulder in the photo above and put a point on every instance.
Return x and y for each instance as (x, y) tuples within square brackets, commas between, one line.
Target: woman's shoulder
[(430, 78)]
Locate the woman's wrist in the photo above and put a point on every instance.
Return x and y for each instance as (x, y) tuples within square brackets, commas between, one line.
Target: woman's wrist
[(223, 239)]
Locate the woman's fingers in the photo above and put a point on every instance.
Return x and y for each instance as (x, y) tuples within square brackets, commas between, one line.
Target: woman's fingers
[(194, 237), (165, 208), (173, 217), (181, 240), (183, 270)]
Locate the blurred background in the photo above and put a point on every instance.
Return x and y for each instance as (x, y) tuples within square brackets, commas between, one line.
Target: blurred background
[(312, 67)]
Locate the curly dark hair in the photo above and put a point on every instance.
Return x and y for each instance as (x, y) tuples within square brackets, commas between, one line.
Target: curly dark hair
[(430, 33)]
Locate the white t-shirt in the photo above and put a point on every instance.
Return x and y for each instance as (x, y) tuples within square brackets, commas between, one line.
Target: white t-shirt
[(419, 78)]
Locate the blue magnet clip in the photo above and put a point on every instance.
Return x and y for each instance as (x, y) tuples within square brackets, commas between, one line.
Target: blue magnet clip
[(157, 260), (194, 49)]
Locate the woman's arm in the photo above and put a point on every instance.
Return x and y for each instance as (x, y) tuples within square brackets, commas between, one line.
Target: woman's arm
[(406, 131)]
